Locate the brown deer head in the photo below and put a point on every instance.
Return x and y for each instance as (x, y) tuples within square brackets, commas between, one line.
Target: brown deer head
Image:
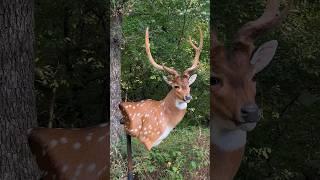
[(233, 84)]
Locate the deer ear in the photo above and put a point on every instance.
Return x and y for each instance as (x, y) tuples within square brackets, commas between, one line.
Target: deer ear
[(263, 55), (167, 80), (192, 79)]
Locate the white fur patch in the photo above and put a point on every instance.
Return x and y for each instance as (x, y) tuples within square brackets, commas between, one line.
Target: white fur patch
[(227, 139), (181, 104), (164, 134)]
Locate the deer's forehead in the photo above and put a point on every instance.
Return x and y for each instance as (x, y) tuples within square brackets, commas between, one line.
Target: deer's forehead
[(234, 65), (232, 68), (239, 54), (181, 80)]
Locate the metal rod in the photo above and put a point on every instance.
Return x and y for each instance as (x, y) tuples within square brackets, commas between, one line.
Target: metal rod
[(129, 152)]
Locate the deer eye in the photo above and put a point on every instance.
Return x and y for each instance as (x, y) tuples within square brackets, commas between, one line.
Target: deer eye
[(176, 87), (214, 80)]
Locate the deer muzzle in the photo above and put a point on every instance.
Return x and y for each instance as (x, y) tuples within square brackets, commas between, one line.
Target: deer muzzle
[(250, 114), (187, 98)]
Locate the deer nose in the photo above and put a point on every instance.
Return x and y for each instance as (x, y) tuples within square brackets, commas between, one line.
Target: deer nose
[(187, 98), (250, 113)]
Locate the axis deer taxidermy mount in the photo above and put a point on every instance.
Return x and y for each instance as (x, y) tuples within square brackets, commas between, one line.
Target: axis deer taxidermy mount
[(233, 90), (151, 121)]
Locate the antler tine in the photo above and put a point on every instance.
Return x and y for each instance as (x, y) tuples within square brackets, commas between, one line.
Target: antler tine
[(157, 66), (270, 18), (196, 60)]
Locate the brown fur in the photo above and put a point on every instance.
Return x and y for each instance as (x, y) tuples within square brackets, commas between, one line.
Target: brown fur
[(51, 157), (147, 119)]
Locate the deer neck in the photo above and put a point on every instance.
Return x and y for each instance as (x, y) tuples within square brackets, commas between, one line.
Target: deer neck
[(174, 108), (228, 148)]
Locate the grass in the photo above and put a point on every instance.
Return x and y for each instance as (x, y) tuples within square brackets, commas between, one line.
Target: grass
[(184, 154)]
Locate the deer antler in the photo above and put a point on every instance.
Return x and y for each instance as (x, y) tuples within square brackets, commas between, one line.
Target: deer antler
[(196, 59), (270, 18), (157, 66)]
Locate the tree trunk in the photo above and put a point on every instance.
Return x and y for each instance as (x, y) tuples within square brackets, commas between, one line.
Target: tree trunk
[(115, 76), (17, 100)]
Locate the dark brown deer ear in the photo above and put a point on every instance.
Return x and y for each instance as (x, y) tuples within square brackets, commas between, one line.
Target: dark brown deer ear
[(263, 55)]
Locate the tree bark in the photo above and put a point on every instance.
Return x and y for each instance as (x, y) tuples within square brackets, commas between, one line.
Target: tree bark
[(115, 76), (17, 99)]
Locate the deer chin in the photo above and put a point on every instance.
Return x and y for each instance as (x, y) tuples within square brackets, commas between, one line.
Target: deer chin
[(247, 126), (221, 123), (181, 104), (227, 124), (226, 135)]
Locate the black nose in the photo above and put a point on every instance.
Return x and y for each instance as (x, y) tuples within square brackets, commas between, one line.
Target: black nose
[(187, 98), (250, 113)]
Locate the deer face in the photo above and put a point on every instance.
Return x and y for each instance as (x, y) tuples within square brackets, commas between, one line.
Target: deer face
[(233, 84), (181, 86)]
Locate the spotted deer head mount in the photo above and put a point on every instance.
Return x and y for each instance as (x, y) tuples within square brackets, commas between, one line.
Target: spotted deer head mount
[(233, 83), (180, 83)]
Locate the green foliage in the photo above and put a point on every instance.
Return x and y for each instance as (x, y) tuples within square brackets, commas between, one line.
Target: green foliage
[(183, 155), (70, 58)]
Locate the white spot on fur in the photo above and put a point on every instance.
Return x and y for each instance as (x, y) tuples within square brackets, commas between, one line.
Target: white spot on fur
[(63, 140), (65, 168), (77, 173), (88, 138), (76, 146), (101, 138), (53, 143), (91, 167)]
